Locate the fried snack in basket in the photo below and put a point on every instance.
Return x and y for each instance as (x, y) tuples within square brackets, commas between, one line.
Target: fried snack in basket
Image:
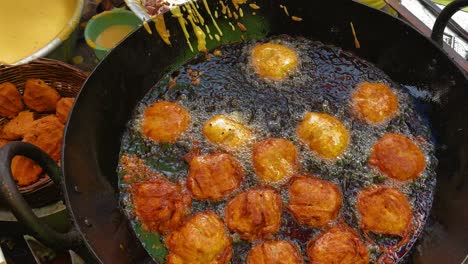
[(17, 127), (10, 100), (63, 108), (39, 96), (47, 134)]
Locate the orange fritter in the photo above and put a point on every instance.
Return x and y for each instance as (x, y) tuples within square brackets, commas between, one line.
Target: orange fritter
[(254, 214), (47, 134), (397, 157), (275, 160), (277, 252), (227, 132), (160, 205), (384, 210), (10, 100), (165, 121), (324, 134), (136, 170), (213, 176), (18, 126), (25, 171), (314, 202), (63, 108), (201, 240), (39, 96), (273, 61), (374, 103), (339, 244)]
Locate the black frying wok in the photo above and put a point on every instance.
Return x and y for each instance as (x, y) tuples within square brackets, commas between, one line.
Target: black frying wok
[(104, 106)]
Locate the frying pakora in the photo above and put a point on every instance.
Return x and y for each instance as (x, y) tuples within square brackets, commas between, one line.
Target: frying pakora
[(226, 132), (254, 214), (201, 240), (25, 171), (374, 103), (165, 121), (314, 202), (39, 96), (339, 244), (18, 126), (10, 100), (323, 134), (213, 176), (384, 210), (273, 61), (275, 160), (160, 205), (277, 251), (63, 108), (136, 170), (397, 157), (47, 134)]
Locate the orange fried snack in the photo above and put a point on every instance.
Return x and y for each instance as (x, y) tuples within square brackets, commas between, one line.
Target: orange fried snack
[(63, 108), (275, 160), (165, 121), (39, 96), (160, 205), (339, 244), (213, 176), (226, 132), (254, 214), (374, 103), (10, 100), (201, 240), (136, 170), (25, 171), (324, 134), (18, 126), (273, 61), (384, 210), (314, 202), (277, 251), (47, 134), (397, 157)]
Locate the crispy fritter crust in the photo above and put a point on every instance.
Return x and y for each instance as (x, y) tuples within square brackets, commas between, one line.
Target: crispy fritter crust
[(273, 61), (277, 251), (374, 103), (47, 134), (10, 100), (63, 108), (226, 132), (39, 96)]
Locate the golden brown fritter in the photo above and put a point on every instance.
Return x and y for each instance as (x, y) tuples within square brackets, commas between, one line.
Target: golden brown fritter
[(39, 96), (254, 214), (47, 134), (226, 132), (201, 240), (313, 201), (165, 121), (160, 205), (18, 126), (397, 157), (273, 61), (277, 252), (63, 108), (324, 134), (275, 160), (213, 176), (339, 244), (136, 170), (25, 171), (10, 100), (384, 210), (374, 103)]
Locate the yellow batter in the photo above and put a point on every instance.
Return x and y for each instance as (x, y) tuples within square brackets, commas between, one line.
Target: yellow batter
[(28, 25)]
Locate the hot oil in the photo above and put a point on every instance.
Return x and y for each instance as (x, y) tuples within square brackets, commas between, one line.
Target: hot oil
[(323, 82)]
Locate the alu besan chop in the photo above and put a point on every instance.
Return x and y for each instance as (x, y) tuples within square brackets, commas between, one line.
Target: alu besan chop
[(233, 108)]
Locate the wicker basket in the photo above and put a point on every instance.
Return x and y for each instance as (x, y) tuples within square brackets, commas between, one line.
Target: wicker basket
[(67, 80)]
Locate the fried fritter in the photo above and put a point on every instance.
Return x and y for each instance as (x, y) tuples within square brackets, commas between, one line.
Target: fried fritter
[(339, 244), (226, 132), (136, 170), (275, 160), (201, 240), (39, 96), (254, 214), (273, 61), (47, 134), (384, 210), (63, 108), (374, 103), (165, 121), (213, 176), (324, 134), (25, 171), (160, 205), (10, 100), (18, 126), (277, 252), (397, 157), (313, 201)]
